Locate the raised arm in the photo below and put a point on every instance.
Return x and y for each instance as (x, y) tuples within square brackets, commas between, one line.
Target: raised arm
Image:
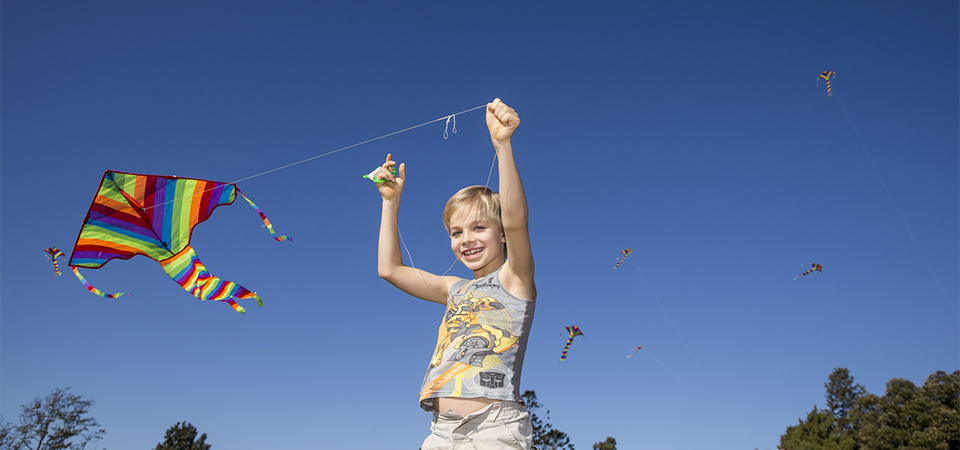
[(518, 272), (390, 265)]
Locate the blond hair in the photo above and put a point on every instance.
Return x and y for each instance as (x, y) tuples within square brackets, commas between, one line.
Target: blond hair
[(487, 199)]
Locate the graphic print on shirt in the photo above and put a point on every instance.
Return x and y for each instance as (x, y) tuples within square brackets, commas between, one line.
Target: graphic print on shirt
[(477, 326)]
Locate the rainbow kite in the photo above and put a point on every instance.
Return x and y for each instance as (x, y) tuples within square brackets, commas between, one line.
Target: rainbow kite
[(574, 332), (827, 76), (154, 216), (814, 268), (635, 351), (625, 252), (53, 253)]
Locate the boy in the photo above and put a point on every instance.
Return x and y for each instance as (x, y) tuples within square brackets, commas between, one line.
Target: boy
[(472, 384)]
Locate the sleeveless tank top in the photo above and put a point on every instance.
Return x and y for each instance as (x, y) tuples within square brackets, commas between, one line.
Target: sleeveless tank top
[(480, 344)]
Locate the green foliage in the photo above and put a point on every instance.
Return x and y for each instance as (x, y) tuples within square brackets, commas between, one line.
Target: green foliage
[(609, 444), (842, 396), (911, 418), (905, 418), (545, 437), (818, 432), (183, 436), (58, 422)]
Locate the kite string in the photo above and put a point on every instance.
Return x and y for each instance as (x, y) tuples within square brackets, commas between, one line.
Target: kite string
[(702, 372), (493, 164), (447, 118), (895, 208)]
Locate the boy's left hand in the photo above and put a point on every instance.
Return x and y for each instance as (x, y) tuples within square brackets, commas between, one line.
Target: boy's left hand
[(502, 121), (392, 185)]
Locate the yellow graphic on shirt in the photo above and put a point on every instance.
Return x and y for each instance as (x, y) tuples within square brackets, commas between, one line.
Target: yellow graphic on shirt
[(458, 372), (477, 326)]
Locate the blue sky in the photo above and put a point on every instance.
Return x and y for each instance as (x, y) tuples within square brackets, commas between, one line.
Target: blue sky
[(692, 132)]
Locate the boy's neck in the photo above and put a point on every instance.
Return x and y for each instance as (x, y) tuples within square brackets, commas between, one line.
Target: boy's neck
[(488, 269)]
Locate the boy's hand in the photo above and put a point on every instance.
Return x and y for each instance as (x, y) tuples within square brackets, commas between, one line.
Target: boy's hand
[(392, 185), (502, 121)]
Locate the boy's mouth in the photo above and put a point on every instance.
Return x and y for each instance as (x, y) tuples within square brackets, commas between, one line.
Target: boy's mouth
[(471, 252)]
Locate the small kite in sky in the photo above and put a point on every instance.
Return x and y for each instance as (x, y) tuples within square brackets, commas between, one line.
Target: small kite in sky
[(53, 253), (814, 268), (154, 216), (626, 252), (827, 76), (574, 332), (635, 351)]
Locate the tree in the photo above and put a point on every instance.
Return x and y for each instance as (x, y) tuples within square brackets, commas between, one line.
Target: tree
[(905, 418), (908, 417), (183, 436), (842, 396), (830, 428), (818, 432), (545, 437), (59, 422), (609, 444)]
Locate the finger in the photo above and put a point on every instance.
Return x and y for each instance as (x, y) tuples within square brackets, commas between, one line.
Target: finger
[(494, 106)]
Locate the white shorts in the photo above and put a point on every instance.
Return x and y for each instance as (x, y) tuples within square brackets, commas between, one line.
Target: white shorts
[(500, 425)]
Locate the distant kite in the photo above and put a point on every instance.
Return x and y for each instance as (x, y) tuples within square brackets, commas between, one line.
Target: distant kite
[(635, 351), (814, 268), (574, 332), (53, 253), (827, 76), (625, 252)]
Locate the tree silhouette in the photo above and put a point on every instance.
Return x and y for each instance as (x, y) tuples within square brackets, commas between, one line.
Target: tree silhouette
[(609, 444), (183, 436), (545, 437), (59, 422)]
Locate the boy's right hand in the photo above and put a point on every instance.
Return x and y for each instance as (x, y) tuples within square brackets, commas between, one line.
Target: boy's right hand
[(392, 185)]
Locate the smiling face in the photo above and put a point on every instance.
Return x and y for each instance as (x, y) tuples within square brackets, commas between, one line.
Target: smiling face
[(477, 241)]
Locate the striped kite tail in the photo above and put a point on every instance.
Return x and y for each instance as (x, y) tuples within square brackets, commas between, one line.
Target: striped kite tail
[(90, 288), (563, 356), (186, 269), (265, 220)]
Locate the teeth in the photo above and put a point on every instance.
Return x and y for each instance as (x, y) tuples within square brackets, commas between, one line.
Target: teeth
[(472, 251)]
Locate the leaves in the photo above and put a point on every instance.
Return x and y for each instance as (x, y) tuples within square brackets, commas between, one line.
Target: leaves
[(609, 444), (183, 436), (61, 421), (545, 437), (905, 418)]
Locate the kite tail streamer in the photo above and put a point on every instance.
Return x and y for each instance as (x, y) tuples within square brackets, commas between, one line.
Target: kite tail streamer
[(625, 252), (265, 220), (574, 332), (563, 356), (93, 289), (187, 270), (53, 253)]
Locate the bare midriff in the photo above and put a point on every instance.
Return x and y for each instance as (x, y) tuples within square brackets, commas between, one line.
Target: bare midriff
[(462, 406)]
